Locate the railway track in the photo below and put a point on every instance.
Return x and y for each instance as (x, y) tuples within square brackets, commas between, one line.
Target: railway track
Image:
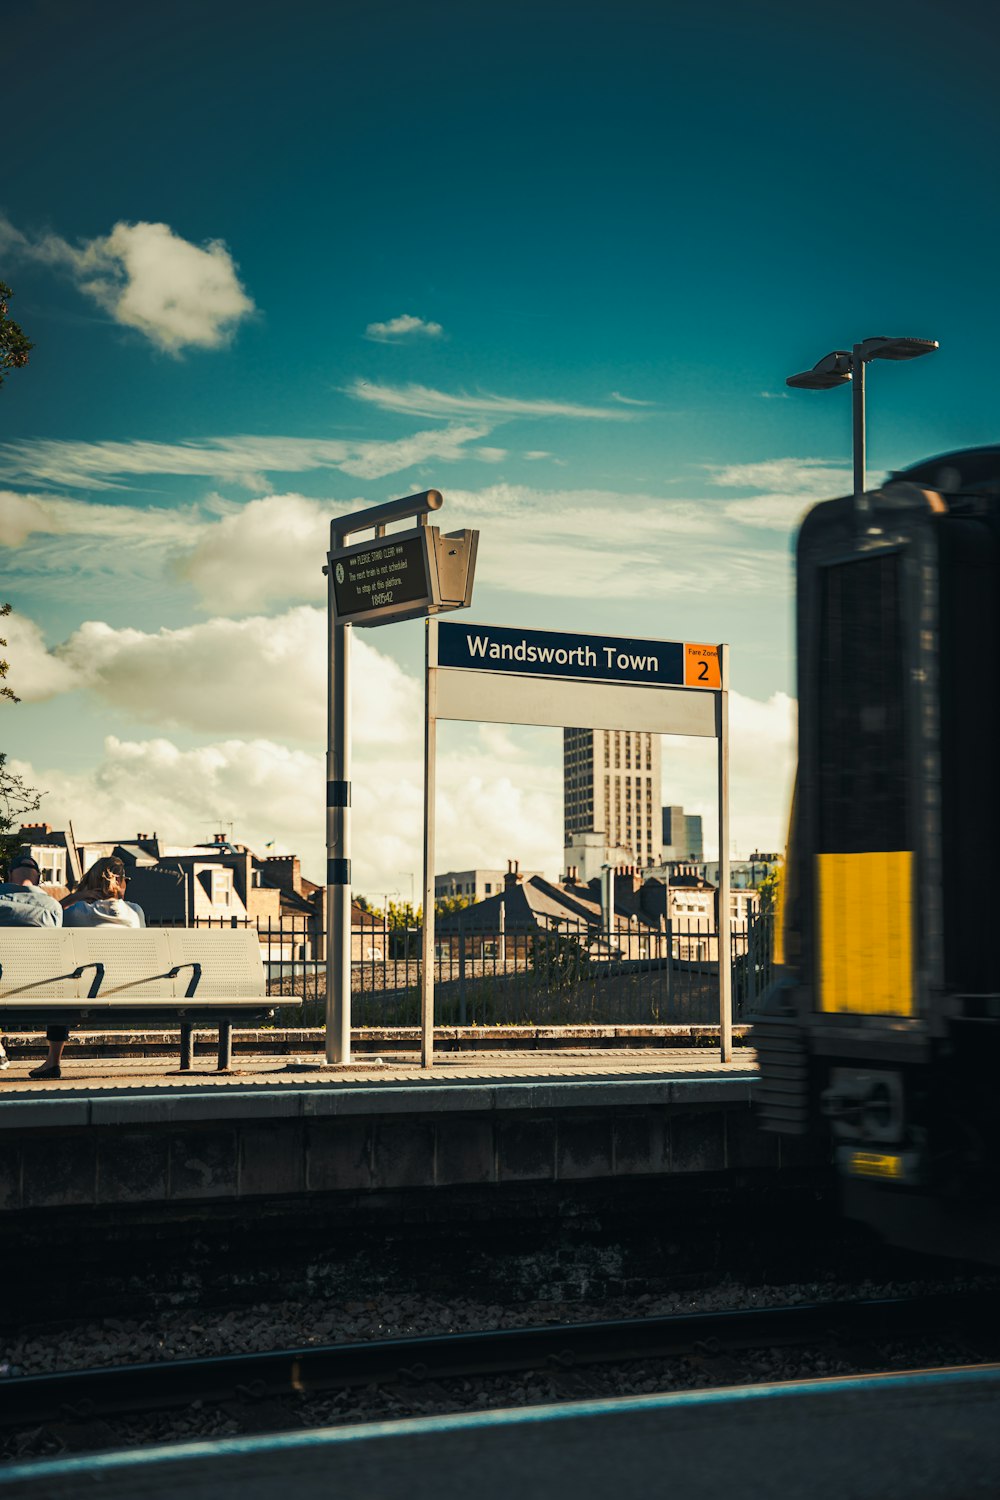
[(74, 1406)]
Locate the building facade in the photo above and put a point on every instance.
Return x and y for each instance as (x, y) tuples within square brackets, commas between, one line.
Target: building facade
[(623, 913), (695, 837), (682, 835), (55, 854), (611, 786), (474, 884)]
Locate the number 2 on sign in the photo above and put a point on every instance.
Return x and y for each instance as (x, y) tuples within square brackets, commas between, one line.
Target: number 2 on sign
[(701, 666)]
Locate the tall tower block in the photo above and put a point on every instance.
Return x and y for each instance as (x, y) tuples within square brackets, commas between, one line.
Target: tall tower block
[(611, 785)]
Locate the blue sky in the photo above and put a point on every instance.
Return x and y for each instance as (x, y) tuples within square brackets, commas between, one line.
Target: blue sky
[(556, 261)]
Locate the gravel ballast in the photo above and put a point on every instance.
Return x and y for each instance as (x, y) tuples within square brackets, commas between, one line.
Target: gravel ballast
[(294, 1323)]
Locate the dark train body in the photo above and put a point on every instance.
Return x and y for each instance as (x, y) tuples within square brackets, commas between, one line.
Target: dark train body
[(882, 1035)]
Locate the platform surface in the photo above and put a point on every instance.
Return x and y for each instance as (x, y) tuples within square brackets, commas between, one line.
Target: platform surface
[(271, 1071), (114, 1090), (933, 1436)]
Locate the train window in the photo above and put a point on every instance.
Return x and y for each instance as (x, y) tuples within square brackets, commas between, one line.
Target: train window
[(862, 765)]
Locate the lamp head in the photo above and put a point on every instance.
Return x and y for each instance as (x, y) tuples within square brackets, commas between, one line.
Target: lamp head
[(904, 348), (833, 369)]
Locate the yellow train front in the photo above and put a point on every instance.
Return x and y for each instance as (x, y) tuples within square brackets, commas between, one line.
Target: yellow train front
[(882, 1035)]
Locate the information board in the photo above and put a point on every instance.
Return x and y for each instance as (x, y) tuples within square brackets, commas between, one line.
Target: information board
[(383, 575)]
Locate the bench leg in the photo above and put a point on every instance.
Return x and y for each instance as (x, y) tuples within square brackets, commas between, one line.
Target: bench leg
[(187, 1046), (225, 1045)]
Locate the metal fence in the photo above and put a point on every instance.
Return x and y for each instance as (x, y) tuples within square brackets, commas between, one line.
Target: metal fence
[(569, 974)]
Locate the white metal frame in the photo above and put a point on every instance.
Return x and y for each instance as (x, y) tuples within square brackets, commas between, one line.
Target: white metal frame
[(503, 697)]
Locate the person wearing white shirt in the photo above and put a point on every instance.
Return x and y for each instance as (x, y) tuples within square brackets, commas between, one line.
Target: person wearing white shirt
[(98, 901)]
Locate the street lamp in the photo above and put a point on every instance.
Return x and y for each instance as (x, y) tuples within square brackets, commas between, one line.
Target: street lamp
[(845, 365)]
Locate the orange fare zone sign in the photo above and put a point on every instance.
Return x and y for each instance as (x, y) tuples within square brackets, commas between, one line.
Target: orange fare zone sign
[(701, 666)]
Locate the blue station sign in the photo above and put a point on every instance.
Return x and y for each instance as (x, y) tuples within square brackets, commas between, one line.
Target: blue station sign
[(593, 658)]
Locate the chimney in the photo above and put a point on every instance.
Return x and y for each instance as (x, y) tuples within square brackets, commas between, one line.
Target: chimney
[(627, 882), (285, 872), (513, 875), (37, 830)]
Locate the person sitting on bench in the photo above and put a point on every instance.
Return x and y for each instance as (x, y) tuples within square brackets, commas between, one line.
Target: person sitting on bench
[(98, 901), (24, 904)]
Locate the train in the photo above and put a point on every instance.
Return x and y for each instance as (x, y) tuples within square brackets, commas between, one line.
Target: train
[(880, 1036)]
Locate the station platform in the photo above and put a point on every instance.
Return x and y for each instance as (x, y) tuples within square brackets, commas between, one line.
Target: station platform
[(136, 1130), (265, 1070), (913, 1436)]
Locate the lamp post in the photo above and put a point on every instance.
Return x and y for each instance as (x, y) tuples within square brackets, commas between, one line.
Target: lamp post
[(845, 365)]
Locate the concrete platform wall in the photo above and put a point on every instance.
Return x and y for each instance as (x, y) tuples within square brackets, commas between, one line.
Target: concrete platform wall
[(131, 1160)]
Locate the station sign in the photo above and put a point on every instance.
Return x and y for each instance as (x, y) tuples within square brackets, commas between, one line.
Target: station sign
[(495, 674), (403, 576), (591, 658)]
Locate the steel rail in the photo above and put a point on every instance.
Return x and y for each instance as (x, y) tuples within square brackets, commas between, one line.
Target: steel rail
[(114, 1389)]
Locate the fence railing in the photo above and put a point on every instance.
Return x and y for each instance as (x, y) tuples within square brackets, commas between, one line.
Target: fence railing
[(570, 973)]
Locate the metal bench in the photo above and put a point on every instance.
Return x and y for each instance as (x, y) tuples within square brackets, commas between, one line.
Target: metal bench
[(203, 978)]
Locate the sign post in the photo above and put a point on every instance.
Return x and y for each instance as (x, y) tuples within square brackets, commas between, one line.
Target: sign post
[(401, 576), (430, 801), (499, 675), (724, 917), (338, 838)]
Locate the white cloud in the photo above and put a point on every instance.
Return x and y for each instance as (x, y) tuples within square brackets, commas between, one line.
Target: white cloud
[(587, 514), (786, 476), (267, 791), (489, 455), (35, 674), (257, 676), (791, 486), (373, 460), (248, 556), (770, 512), (629, 400), (96, 466), (630, 570), (492, 805), (22, 516), (499, 794), (268, 549), (422, 401), (73, 551), (405, 326), (237, 557), (763, 737), (177, 294), (762, 768), (270, 792), (668, 547), (486, 816)]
